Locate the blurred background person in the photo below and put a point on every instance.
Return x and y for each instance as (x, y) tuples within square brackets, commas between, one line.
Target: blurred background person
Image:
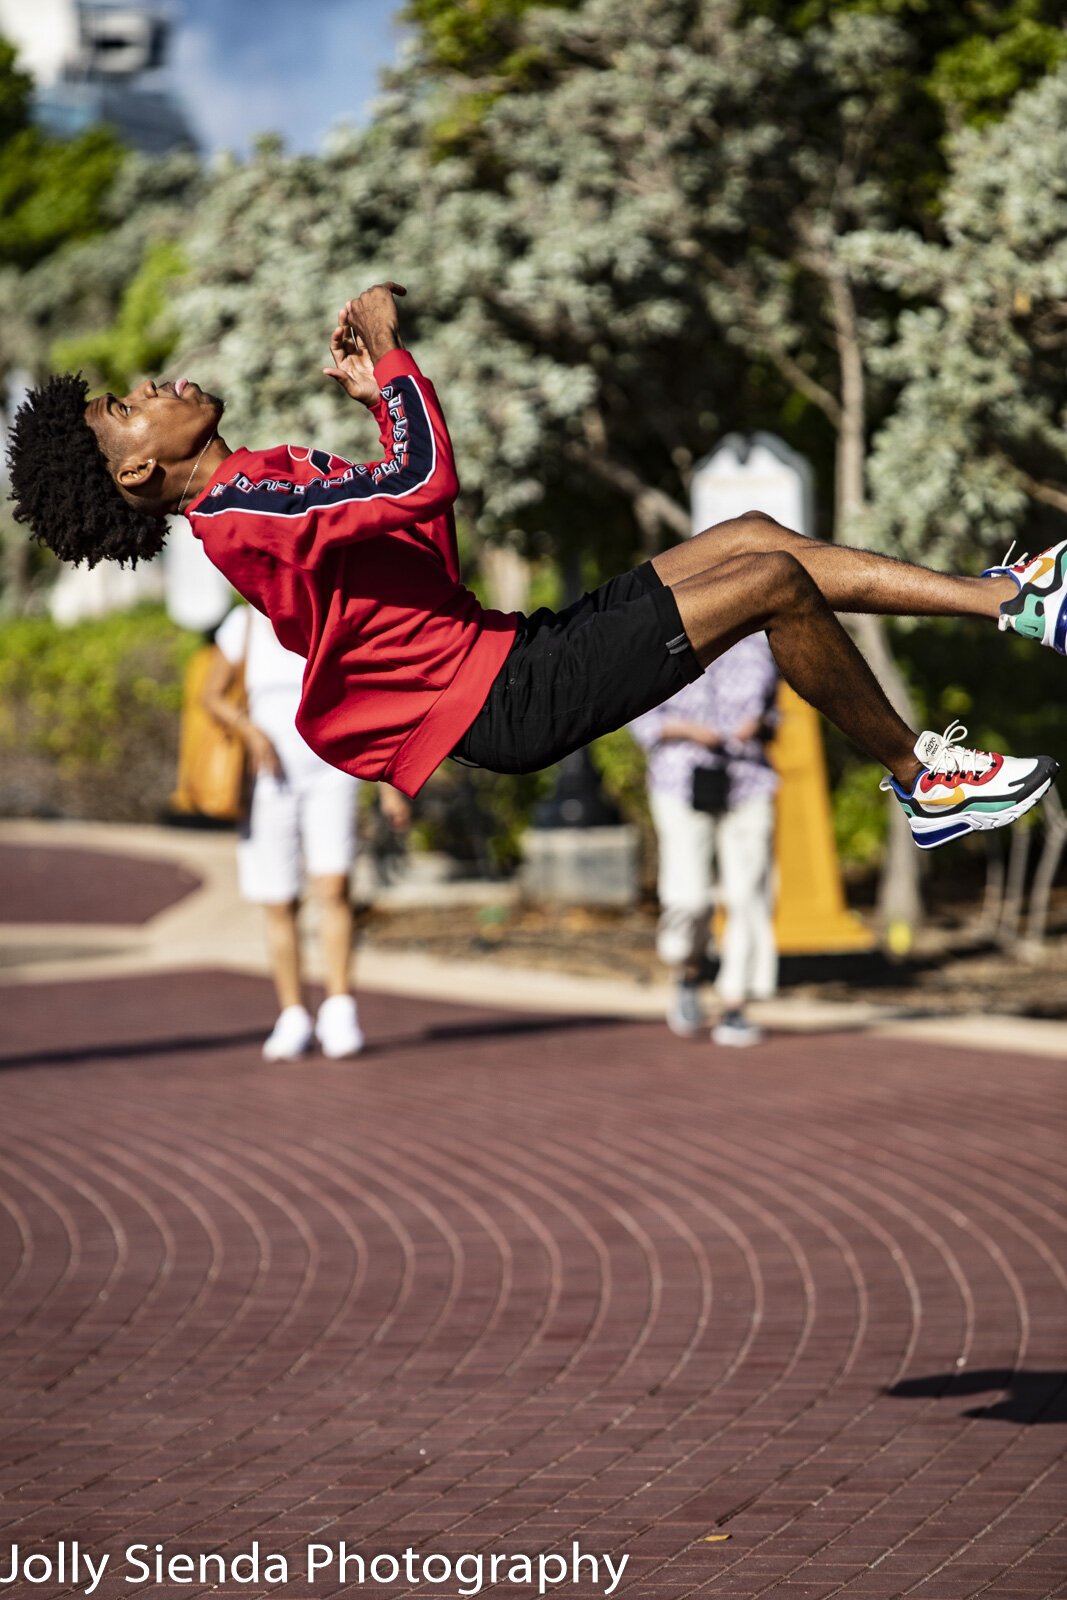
[(301, 816), (711, 792)]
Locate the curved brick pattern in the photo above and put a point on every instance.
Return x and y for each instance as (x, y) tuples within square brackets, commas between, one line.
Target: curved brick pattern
[(507, 1282), (44, 884)]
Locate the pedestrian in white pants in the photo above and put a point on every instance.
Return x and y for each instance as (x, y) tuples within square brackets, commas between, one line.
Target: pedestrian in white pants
[(707, 748), (301, 821)]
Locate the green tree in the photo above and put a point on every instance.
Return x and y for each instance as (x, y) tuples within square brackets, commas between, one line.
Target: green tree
[(87, 258), (108, 286), (479, 39), (278, 243), (971, 56), (687, 175), (51, 190), (144, 331), (16, 94), (660, 232), (979, 431)]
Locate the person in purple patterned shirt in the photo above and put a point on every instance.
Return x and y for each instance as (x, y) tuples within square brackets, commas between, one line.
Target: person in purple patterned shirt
[(721, 721)]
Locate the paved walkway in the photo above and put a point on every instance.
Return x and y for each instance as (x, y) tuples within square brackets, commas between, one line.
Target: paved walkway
[(787, 1321), (510, 1281), (200, 921)]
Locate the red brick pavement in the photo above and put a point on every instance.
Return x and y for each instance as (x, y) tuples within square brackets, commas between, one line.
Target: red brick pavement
[(41, 883), (505, 1283)]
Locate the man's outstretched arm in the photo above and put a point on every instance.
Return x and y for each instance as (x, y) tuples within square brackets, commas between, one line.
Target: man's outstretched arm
[(415, 481), (367, 332)]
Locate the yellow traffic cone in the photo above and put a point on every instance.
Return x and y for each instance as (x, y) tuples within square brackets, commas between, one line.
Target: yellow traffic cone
[(811, 913)]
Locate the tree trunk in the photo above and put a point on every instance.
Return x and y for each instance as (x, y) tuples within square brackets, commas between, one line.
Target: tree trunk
[(900, 905), (1015, 888), (993, 899), (1055, 839)]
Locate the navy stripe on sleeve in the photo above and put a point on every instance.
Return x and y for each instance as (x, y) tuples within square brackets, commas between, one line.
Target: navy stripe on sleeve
[(413, 464)]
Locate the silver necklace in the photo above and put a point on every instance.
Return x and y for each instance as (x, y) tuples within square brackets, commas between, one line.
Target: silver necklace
[(189, 479)]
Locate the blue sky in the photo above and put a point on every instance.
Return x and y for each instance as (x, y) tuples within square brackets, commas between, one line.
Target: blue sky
[(296, 67)]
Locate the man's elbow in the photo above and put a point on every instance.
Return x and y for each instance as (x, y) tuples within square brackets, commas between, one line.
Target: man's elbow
[(443, 492)]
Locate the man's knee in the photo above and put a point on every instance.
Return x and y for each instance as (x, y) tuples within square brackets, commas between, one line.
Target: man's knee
[(758, 530), (784, 581), (749, 529)]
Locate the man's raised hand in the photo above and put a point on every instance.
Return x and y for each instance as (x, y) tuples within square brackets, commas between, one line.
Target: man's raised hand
[(367, 328), (352, 366), (373, 319)]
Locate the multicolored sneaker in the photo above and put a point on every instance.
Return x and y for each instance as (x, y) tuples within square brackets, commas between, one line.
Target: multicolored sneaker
[(1039, 609), (968, 791)]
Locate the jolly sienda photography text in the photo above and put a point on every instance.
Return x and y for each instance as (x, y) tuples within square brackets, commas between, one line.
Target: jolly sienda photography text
[(69, 1562)]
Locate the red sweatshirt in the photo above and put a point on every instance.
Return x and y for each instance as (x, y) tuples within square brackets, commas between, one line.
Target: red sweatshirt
[(357, 568)]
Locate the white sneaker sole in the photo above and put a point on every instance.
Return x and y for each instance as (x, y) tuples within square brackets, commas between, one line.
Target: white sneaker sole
[(734, 1040), (342, 1052), (974, 821), (278, 1054)]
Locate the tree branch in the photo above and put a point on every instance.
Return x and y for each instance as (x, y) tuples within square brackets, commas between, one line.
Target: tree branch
[(1047, 494), (643, 497), (775, 350)]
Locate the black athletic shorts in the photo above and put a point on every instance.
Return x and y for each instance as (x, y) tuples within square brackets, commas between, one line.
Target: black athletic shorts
[(573, 675)]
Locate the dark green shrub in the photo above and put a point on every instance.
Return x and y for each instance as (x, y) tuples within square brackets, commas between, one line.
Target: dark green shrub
[(89, 715)]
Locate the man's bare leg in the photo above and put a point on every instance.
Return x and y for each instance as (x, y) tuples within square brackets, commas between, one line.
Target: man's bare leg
[(850, 580), (772, 591)]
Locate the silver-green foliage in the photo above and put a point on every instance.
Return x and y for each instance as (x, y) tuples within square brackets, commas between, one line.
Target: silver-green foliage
[(684, 193), (976, 446), (590, 274), (77, 291)]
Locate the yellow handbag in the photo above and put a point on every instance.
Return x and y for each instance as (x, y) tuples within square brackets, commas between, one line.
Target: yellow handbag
[(212, 760)]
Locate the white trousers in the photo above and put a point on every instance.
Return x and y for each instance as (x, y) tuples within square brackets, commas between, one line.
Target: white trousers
[(306, 819), (729, 860)]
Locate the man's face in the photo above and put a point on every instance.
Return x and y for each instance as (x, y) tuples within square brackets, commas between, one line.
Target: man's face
[(165, 423)]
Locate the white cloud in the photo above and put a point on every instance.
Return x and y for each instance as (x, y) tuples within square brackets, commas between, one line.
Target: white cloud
[(296, 69)]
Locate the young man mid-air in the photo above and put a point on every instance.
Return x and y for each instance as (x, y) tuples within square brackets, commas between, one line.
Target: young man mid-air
[(357, 568)]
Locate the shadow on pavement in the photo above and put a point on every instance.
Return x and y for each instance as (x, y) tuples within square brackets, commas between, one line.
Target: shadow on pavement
[(505, 1028), (441, 1033), (1031, 1397), (131, 1049)]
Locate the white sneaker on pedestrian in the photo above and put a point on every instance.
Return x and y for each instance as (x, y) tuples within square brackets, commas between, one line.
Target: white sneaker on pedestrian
[(685, 1016), (291, 1036), (337, 1027), (734, 1028)]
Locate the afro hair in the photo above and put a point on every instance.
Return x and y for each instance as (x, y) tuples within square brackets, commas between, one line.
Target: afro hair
[(61, 485)]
